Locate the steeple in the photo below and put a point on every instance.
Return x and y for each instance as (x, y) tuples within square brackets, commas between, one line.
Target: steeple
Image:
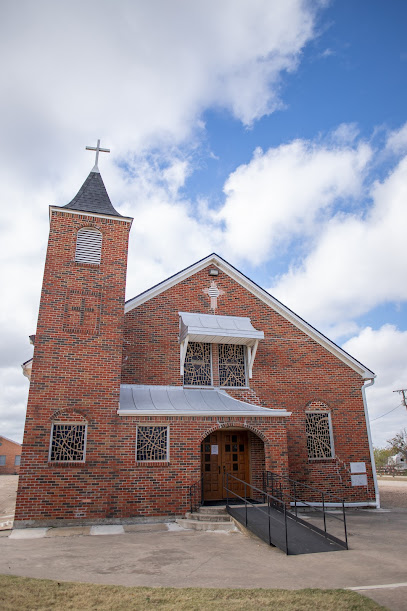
[(92, 196)]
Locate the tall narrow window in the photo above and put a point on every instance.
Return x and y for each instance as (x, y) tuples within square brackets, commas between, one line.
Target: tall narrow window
[(232, 365), (319, 437), (88, 246), (197, 366), (67, 442)]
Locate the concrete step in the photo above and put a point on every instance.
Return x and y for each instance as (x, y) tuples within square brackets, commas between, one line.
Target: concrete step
[(209, 517), (213, 509), (206, 525)]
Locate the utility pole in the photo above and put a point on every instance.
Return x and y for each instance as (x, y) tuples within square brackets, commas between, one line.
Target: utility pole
[(403, 392)]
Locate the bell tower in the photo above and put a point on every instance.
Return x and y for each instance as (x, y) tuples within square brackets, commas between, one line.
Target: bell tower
[(67, 463)]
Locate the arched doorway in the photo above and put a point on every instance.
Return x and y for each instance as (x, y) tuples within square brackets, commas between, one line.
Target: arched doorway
[(225, 450)]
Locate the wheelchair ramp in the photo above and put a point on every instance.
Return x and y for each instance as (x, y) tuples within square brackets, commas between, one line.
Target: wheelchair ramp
[(301, 537)]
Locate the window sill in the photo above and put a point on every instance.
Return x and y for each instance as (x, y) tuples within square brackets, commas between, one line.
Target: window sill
[(314, 460), (152, 463), (66, 464)]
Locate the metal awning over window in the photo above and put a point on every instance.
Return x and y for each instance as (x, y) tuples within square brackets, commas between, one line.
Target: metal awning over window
[(215, 329)]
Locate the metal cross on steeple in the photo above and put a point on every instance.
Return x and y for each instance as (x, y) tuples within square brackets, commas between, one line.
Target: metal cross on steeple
[(98, 150)]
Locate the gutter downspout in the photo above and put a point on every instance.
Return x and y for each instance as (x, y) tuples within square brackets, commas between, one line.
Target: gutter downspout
[(369, 435)]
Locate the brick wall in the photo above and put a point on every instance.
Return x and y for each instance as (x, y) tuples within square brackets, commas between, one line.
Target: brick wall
[(151, 488), (9, 449), (76, 367), (76, 377), (290, 371)]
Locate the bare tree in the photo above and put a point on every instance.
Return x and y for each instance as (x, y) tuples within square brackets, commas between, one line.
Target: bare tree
[(398, 443)]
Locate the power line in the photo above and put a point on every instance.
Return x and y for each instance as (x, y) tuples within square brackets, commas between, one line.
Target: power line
[(392, 410)]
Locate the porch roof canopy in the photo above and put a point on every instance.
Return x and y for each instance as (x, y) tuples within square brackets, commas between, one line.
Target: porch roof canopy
[(215, 329), (139, 400)]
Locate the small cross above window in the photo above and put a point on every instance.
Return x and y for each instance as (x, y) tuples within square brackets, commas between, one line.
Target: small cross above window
[(214, 293)]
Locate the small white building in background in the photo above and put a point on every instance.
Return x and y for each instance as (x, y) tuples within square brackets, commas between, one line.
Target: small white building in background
[(398, 461)]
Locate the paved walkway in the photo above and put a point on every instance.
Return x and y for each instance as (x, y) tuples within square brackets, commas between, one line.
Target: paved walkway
[(166, 555)]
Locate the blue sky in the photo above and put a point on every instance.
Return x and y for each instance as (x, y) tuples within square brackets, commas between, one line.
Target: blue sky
[(272, 133)]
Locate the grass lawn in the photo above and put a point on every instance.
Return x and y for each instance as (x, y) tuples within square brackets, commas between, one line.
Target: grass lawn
[(22, 594)]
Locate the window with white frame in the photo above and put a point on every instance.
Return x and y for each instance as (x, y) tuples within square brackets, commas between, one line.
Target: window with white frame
[(88, 246), (68, 442), (198, 366), (319, 435), (2, 460), (232, 370), (152, 443), (17, 460)]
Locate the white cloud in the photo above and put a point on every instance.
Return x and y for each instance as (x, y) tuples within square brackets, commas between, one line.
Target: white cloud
[(385, 351), (358, 261), (397, 140), (138, 73), (282, 193)]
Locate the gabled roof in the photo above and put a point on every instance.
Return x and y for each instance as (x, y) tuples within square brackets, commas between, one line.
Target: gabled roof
[(93, 197), (10, 440), (261, 294)]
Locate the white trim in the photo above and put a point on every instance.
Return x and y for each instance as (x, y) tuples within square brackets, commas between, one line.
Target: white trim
[(148, 412), (369, 436), (260, 294), (183, 347), (402, 584), (251, 354), (126, 219)]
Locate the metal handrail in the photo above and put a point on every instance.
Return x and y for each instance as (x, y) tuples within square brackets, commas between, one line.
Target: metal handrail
[(296, 482), (247, 501), (302, 502), (196, 489)]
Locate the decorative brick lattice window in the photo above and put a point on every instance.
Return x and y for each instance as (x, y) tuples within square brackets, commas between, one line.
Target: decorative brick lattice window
[(319, 440), (231, 365), (88, 246), (67, 442), (197, 366), (152, 443)]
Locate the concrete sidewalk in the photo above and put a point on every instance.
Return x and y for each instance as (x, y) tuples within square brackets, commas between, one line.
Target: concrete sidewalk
[(166, 555)]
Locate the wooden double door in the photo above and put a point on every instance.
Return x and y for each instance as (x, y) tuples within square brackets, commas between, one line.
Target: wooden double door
[(225, 451)]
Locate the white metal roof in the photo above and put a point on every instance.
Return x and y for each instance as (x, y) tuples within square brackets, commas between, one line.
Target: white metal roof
[(212, 328), (175, 400)]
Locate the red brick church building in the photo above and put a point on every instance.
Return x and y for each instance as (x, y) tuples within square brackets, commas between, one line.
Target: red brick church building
[(133, 403)]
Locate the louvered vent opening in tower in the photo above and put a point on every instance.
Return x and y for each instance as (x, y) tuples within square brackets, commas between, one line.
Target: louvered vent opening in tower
[(88, 246)]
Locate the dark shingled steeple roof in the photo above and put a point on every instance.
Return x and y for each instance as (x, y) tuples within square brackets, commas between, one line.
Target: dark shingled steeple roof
[(93, 197)]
